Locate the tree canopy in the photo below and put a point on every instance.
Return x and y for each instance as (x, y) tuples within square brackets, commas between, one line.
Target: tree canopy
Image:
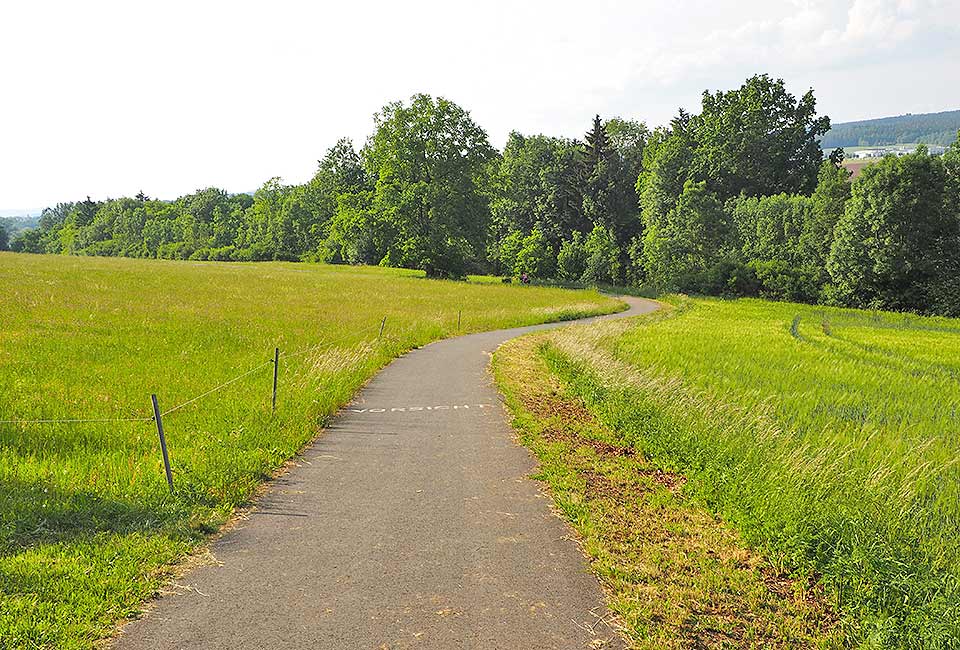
[(899, 234), (737, 199)]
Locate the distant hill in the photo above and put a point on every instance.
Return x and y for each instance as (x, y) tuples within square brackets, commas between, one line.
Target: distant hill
[(13, 225), (928, 128), (20, 212)]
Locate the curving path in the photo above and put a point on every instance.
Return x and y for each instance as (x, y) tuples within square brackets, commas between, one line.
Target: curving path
[(410, 523)]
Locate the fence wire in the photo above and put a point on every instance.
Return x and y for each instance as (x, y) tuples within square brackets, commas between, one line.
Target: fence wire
[(76, 420), (302, 351), (216, 388)]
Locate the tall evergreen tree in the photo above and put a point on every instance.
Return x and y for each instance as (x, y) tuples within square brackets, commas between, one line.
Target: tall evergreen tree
[(596, 145)]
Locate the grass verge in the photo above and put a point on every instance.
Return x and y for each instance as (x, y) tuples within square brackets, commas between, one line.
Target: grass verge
[(675, 575), (826, 437)]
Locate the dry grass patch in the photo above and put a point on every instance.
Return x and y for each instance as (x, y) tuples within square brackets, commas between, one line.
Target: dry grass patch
[(676, 576)]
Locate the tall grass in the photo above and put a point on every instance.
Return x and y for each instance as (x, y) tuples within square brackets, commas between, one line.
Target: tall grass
[(87, 524), (828, 437)]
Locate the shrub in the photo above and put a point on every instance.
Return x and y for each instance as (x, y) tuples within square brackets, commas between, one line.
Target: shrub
[(222, 254), (779, 280), (507, 250), (572, 258), (602, 257), (106, 248), (535, 257), (731, 278)]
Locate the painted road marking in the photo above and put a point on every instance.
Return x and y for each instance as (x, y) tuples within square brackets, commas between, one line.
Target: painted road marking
[(412, 409)]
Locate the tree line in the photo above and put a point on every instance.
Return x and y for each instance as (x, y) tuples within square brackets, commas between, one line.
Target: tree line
[(735, 200)]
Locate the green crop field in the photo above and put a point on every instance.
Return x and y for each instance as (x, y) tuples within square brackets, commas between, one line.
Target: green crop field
[(827, 438), (88, 528)]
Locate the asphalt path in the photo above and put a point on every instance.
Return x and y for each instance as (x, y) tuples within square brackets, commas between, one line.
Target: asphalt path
[(411, 522)]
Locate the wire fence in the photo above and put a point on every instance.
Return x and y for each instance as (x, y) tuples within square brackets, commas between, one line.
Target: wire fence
[(76, 420), (217, 388), (158, 415)]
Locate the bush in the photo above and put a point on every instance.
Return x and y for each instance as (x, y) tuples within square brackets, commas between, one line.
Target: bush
[(634, 273), (572, 259), (507, 250), (724, 278), (734, 279), (688, 239), (944, 291), (448, 260), (106, 248), (830, 295), (222, 254), (27, 241), (897, 235), (535, 257), (778, 280), (603, 257), (261, 251), (172, 251)]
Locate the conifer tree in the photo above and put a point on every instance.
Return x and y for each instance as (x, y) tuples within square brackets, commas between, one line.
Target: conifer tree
[(596, 146)]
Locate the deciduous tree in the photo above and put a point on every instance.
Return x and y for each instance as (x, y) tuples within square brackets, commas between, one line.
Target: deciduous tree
[(428, 157), (897, 237), (688, 240)]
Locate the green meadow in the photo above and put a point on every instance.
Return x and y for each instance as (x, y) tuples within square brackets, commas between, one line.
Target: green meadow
[(88, 527), (826, 438)]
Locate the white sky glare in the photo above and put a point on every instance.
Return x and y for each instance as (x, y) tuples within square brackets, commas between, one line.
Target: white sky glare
[(107, 98)]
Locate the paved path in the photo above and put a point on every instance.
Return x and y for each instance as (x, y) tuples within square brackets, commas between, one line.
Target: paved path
[(410, 523)]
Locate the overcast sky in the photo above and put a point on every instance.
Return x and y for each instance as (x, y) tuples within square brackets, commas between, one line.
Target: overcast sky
[(108, 98)]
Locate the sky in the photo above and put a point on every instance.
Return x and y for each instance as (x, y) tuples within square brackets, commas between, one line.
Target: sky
[(110, 98)]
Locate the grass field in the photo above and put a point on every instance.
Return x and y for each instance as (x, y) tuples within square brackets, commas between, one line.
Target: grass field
[(826, 438), (88, 528)]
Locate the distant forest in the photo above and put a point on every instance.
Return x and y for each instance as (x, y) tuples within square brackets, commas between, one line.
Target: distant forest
[(928, 128), (736, 200), (14, 225)]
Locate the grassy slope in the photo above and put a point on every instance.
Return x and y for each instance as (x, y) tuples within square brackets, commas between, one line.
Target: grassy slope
[(675, 576), (87, 526), (827, 438)]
